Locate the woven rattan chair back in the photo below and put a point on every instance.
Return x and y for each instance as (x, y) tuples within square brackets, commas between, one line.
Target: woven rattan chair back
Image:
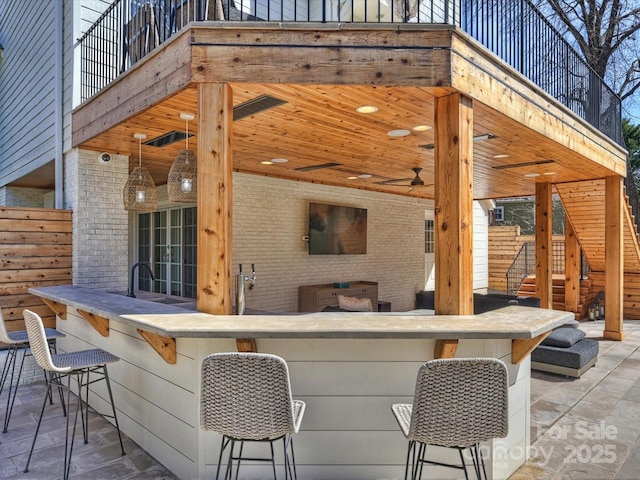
[(460, 402), (4, 335), (38, 343), (246, 396)]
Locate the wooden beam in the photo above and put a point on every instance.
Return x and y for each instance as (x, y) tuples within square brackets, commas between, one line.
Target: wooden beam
[(445, 348), (165, 346), (159, 75), (100, 324), (544, 249), (571, 268), (521, 347), (215, 168), (614, 259), (454, 205), (60, 309)]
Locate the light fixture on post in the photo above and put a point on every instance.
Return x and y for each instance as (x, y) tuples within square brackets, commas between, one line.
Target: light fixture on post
[(139, 193), (181, 184)]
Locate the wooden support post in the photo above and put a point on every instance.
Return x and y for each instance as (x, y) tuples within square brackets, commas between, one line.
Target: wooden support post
[(215, 212), (544, 248), (453, 211), (454, 205), (571, 268), (614, 259), (215, 169)]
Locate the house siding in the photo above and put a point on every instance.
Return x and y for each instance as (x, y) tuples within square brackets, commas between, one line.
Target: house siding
[(27, 83)]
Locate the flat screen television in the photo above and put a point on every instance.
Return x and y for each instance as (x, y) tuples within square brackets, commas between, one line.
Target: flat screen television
[(337, 230)]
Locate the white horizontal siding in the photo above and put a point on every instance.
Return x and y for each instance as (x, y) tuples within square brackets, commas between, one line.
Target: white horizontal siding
[(27, 82)]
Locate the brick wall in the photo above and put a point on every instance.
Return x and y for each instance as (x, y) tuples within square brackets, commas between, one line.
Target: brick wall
[(100, 224), (271, 216)]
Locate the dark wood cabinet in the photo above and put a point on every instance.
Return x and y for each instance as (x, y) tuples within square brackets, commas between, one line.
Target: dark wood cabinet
[(313, 298)]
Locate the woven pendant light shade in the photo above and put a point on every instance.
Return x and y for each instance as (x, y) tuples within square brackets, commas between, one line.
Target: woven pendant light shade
[(181, 184), (183, 177), (139, 193)]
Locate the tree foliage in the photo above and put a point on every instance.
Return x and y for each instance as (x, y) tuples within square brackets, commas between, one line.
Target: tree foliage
[(631, 135), (606, 33)]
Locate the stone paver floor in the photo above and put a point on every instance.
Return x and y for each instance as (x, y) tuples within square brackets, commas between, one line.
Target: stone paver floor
[(587, 428)]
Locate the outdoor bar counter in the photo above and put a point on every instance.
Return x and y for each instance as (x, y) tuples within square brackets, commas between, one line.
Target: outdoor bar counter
[(348, 367)]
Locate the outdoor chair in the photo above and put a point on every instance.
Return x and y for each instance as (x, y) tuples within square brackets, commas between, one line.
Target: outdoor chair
[(141, 35), (458, 403), (18, 342), (247, 397), (77, 365)]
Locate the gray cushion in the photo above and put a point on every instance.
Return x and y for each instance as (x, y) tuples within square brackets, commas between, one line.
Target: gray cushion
[(575, 356), (564, 337)]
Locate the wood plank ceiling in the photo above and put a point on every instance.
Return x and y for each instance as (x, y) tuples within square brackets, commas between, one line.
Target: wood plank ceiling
[(318, 124)]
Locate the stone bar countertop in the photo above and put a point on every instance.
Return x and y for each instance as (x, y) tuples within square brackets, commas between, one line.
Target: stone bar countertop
[(511, 322)]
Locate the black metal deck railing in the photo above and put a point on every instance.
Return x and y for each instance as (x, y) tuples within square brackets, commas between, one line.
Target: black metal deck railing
[(524, 264), (512, 29)]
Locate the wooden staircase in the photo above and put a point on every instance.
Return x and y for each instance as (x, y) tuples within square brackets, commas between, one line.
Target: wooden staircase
[(584, 204), (528, 289)]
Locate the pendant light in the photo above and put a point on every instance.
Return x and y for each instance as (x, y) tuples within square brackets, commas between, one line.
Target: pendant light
[(139, 193), (181, 184)]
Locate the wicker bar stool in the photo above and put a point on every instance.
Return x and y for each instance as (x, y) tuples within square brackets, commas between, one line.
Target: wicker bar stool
[(247, 397), (77, 365), (18, 342), (458, 403)]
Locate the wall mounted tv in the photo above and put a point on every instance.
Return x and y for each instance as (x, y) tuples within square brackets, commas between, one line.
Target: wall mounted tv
[(337, 230)]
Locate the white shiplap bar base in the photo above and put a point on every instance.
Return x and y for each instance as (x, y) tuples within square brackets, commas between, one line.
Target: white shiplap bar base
[(349, 380), (348, 431)]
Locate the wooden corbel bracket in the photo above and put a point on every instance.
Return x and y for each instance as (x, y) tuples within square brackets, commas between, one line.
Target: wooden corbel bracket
[(521, 347), (101, 324), (165, 346), (246, 345), (445, 348), (60, 309)]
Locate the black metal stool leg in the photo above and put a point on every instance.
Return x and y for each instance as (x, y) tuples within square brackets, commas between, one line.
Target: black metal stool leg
[(13, 352), (464, 465), (35, 436), (7, 364), (113, 408)]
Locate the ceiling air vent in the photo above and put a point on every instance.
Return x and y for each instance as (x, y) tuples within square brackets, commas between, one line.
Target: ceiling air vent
[(523, 164), (318, 167), (167, 139), (256, 105)]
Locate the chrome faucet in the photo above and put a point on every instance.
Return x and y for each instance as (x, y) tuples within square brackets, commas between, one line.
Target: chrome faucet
[(133, 270), (240, 286)]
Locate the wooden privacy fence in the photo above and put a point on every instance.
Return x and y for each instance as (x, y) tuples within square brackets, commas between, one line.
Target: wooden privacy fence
[(35, 246)]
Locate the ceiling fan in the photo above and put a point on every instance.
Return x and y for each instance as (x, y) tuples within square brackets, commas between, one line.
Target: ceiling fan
[(415, 182)]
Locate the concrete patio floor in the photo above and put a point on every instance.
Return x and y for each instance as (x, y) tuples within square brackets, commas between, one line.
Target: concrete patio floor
[(587, 428)]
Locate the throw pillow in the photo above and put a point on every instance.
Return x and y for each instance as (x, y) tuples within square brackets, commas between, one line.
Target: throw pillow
[(564, 337), (354, 304)]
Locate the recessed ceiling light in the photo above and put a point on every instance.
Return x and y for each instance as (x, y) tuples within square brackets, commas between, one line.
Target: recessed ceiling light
[(421, 128), (532, 175), (398, 133), (279, 160), (367, 109), (365, 175), (549, 173), (352, 178), (266, 162), (501, 155)]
